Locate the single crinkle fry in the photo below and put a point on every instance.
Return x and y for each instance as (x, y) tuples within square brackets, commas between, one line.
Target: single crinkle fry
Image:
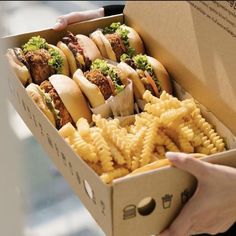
[(166, 96), (185, 145), (85, 150), (207, 129), (116, 154), (67, 130), (114, 174), (149, 142), (169, 144), (189, 104), (137, 146), (102, 149), (83, 127), (151, 166), (137, 141), (148, 97), (173, 115), (186, 131), (135, 163)]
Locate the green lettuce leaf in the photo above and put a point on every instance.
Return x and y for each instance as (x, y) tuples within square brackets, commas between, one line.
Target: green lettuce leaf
[(112, 28), (35, 43), (100, 65), (49, 102), (108, 71), (141, 62), (56, 61), (124, 57), (123, 33)]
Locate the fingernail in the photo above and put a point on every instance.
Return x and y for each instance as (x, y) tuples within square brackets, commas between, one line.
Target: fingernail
[(57, 25), (172, 156)]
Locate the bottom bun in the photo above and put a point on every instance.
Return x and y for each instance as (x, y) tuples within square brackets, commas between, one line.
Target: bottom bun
[(19, 68), (33, 92), (71, 97)]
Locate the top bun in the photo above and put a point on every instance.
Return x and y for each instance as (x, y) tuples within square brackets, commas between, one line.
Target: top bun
[(112, 45), (65, 66), (135, 40), (96, 36), (90, 51), (161, 74), (71, 97)]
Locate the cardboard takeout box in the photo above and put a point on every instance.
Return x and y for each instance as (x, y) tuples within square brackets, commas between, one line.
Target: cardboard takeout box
[(196, 47)]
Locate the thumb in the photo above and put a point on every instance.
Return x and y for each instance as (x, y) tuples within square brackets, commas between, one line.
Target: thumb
[(79, 16), (61, 23), (188, 163)]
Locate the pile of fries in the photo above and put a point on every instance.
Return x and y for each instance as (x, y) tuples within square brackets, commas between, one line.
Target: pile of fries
[(115, 149)]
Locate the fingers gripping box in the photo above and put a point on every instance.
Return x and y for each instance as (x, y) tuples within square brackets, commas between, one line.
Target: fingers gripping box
[(197, 46)]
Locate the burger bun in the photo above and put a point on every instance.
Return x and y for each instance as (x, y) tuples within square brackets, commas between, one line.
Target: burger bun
[(90, 50), (19, 68), (134, 39), (91, 91), (159, 70), (105, 47), (33, 91), (71, 97), (65, 67), (161, 74)]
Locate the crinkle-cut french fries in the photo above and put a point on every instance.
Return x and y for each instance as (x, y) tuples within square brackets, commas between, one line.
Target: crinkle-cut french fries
[(114, 148)]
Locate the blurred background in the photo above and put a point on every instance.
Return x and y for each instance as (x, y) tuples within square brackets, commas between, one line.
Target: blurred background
[(35, 200)]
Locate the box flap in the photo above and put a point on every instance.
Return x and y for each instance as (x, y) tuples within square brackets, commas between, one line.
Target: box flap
[(196, 42)]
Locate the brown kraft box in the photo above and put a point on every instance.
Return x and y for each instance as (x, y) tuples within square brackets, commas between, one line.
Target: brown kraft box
[(196, 43)]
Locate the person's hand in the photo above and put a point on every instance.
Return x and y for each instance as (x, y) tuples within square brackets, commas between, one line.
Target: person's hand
[(212, 209), (73, 17)]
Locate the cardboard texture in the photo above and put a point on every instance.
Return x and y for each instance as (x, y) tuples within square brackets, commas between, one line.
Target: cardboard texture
[(195, 40), (191, 48)]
